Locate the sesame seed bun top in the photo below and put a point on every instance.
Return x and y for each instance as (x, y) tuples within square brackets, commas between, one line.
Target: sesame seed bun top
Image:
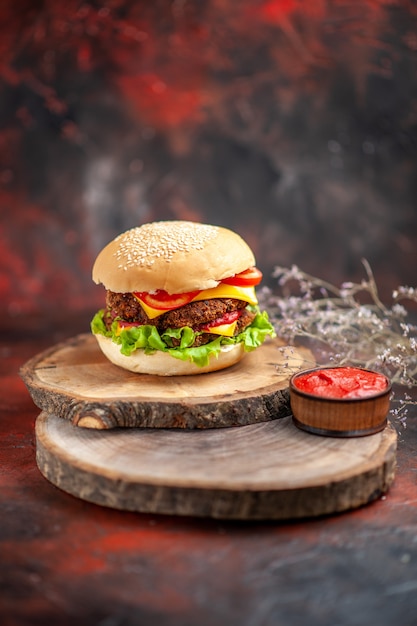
[(176, 256)]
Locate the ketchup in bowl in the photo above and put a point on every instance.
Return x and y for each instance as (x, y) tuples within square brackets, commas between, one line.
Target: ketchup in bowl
[(340, 401), (341, 382)]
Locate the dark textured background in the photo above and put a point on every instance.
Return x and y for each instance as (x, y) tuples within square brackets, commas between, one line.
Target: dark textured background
[(294, 123)]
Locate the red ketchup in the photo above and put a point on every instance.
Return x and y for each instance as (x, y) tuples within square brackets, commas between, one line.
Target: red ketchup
[(341, 382)]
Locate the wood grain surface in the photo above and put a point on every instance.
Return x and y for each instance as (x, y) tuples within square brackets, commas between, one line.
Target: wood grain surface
[(75, 381), (271, 470)]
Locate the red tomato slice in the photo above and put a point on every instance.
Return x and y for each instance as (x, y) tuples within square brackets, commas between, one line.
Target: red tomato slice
[(248, 278), (125, 325), (164, 301), (227, 318)]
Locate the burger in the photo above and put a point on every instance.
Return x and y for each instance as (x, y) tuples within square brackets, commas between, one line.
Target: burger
[(180, 299)]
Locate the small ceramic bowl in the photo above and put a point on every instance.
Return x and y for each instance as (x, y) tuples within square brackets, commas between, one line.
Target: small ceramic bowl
[(340, 401)]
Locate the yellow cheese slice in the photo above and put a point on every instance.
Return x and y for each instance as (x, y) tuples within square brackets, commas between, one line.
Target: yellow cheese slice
[(120, 327), (228, 291), (221, 291), (150, 311), (226, 330)]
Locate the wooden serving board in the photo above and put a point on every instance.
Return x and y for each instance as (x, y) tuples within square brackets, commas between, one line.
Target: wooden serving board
[(270, 470), (75, 381)]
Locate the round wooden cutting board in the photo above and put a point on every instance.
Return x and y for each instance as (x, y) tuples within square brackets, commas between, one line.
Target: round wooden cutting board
[(75, 381), (270, 470)]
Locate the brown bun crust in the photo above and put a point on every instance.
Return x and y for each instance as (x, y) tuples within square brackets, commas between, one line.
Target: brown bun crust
[(176, 256), (162, 364)]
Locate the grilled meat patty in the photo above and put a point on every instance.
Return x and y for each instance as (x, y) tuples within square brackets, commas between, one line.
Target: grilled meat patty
[(194, 314), (199, 313), (126, 307)]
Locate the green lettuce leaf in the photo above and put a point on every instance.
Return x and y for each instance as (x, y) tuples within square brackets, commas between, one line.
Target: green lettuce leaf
[(147, 338)]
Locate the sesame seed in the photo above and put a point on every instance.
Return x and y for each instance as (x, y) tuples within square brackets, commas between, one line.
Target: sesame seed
[(137, 246)]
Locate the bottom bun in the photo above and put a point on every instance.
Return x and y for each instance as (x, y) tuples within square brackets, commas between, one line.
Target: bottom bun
[(163, 364)]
